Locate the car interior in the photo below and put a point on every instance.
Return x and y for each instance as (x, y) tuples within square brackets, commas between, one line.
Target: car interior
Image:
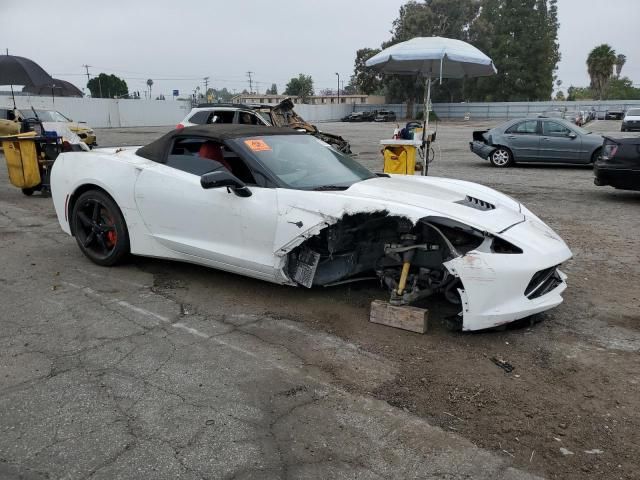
[(199, 156)]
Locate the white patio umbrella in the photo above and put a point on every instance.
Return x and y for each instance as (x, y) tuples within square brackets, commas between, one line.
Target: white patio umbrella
[(432, 57)]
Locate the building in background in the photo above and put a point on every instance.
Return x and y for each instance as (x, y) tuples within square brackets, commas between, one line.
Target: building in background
[(313, 100)]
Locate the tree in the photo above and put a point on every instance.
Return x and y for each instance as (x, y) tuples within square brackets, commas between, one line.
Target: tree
[(600, 64), (620, 61), (107, 86), (273, 90), (366, 80), (560, 96), (445, 18), (622, 89), (579, 93), (149, 84), (522, 39), (300, 86)]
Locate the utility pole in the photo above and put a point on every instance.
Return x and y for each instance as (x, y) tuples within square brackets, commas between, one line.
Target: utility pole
[(87, 67), (338, 87), (250, 82), (206, 88)]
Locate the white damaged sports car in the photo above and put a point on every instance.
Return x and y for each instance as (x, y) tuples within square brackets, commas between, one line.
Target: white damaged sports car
[(282, 206)]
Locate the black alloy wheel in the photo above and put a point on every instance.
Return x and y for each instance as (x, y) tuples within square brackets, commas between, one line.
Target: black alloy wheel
[(99, 228)]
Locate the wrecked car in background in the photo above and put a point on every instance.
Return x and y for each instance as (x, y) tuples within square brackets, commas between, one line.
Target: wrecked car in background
[(281, 206), (280, 115)]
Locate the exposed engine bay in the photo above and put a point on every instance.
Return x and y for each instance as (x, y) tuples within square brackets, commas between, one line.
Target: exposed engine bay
[(407, 258)]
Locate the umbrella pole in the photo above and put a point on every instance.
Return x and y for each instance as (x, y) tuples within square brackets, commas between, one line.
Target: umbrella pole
[(13, 96), (425, 112)]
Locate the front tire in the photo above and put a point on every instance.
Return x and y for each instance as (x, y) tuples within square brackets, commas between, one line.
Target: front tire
[(99, 228), (501, 157)]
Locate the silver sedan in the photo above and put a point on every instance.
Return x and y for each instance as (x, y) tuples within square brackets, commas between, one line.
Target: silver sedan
[(536, 140)]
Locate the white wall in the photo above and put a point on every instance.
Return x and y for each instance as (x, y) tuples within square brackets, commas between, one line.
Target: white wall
[(323, 113), (103, 112)]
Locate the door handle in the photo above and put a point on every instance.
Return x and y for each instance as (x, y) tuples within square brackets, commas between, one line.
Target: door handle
[(546, 139), (511, 137)]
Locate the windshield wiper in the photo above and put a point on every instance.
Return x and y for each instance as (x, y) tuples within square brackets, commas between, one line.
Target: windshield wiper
[(330, 187)]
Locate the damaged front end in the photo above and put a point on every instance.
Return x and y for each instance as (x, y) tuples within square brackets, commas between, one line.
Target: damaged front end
[(491, 278), (408, 258)]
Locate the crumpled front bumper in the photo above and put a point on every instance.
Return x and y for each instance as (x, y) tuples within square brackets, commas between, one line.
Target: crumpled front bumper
[(481, 149), (494, 284)]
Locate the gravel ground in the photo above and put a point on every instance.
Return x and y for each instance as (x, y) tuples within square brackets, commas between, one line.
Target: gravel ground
[(570, 408)]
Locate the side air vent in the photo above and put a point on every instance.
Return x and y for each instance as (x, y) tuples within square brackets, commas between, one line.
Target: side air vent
[(543, 282), (476, 203)]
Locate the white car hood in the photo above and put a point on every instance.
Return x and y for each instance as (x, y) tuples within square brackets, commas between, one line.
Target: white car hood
[(303, 213), (441, 196), (632, 117)]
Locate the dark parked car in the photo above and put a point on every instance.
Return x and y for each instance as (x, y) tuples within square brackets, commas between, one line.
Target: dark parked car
[(631, 120), (385, 116), (529, 140), (619, 165), (353, 117), (369, 116), (614, 114)]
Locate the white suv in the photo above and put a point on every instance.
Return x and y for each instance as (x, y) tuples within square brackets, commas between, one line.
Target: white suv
[(223, 113)]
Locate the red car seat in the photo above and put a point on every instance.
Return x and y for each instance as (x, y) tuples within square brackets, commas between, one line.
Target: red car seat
[(213, 151)]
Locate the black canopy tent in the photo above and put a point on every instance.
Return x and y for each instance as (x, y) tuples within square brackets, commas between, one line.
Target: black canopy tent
[(59, 88)]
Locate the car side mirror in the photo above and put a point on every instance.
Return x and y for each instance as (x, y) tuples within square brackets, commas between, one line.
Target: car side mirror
[(224, 179), (573, 135)]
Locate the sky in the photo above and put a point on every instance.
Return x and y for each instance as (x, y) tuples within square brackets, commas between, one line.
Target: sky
[(177, 44)]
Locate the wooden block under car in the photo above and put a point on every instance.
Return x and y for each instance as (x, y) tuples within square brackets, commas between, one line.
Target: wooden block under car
[(405, 317)]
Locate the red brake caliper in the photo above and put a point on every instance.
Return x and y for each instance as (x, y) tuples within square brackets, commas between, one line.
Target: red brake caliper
[(112, 235)]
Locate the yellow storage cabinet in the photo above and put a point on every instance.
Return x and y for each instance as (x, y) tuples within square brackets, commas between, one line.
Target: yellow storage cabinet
[(22, 160), (399, 156)]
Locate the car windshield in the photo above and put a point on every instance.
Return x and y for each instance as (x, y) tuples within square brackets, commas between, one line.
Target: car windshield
[(635, 112), (303, 162), (50, 116)]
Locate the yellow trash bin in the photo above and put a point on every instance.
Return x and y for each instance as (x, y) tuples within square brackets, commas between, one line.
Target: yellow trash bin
[(22, 160), (399, 156)]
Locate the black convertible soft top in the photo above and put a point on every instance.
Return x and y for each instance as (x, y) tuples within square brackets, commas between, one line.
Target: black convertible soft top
[(157, 150)]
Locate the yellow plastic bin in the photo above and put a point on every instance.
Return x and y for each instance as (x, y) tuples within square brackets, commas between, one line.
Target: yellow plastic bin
[(399, 156), (22, 160)]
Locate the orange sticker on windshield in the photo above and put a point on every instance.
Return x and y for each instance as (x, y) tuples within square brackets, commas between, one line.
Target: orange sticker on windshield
[(257, 145)]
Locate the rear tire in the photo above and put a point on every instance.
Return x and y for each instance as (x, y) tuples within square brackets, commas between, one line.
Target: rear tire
[(501, 157), (99, 228), (596, 155)]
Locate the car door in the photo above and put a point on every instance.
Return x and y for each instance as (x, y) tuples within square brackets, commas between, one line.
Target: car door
[(212, 226), (559, 143), (523, 140)]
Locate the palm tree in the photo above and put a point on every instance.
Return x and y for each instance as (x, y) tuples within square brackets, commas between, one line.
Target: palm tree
[(149, 84), (620, 61), (600, 64)]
